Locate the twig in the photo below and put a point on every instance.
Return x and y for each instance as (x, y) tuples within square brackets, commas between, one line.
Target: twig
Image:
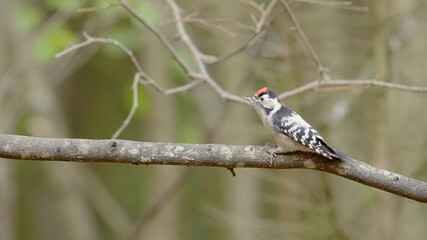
[(133, 108), (243, 47), (94, 9), (183, 88), (200, 57), (264, 15), (326, 3), (339, 83), (140, 76), (143, 77), (191, 18), (90, 40), (375, 83), (299, 90), (264, 12), (259, 32), (320, 68), (162, 39), (354, 8), (259, 7), (346, 5), (214, 155)]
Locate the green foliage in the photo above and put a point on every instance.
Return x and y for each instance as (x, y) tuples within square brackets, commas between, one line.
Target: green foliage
[(63, 5), (94, 100), (177, 72), (27, 17), (190, 133), (21, 124), (143, 101), (148, 10), (189, 130), (55, 40), (125, 36)]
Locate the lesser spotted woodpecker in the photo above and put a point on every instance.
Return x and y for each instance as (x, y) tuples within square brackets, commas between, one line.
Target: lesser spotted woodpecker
[(290, 132)]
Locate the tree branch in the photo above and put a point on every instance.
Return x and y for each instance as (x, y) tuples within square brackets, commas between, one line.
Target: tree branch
[(199, 57), (340, 85), (346, 5), (260, 30), (140, 76), (316, 59), (162, 39), (213, 155)]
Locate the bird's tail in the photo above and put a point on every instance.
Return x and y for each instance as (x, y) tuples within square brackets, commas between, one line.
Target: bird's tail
[(341, 155)]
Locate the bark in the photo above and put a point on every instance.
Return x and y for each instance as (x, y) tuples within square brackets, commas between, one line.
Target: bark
[(213, 155)]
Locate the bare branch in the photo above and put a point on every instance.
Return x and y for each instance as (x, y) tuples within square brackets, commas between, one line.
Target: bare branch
[(165, 42), (183, 88), (264, 12), (264, 15), (354, 8), (243, 47), (299, 90), (199, 56), (132, 110), (140, 76), (318, 85), (346, 5), (375, 83), (213, 155), (259, 32), (143, 78), (259, 7), (326, 3), (89, 40), (94, 9), (191, 18), (322, 70), (202, 59)]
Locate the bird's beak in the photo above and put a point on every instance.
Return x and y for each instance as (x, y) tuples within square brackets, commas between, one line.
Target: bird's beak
[(249, 98)]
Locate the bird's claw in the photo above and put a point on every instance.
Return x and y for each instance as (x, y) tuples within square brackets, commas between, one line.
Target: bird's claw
[(268, 146), (272, 153)]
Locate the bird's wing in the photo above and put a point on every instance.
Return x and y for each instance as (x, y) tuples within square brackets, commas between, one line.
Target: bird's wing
[(299, 130)]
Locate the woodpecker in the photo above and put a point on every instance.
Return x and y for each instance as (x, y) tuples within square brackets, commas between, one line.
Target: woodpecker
[(288, 129)]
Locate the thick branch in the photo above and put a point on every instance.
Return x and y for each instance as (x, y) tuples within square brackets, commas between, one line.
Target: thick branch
[(215, 155)]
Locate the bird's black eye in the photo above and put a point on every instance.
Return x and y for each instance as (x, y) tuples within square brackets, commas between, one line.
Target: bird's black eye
[(261, 98)]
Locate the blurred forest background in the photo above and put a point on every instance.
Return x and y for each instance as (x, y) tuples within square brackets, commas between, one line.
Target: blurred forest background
[(87, 94)]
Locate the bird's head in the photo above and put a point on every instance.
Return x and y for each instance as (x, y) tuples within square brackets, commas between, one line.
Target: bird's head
[(265, 99)]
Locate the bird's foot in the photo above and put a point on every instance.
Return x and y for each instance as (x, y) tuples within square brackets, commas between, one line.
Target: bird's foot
[(273, 152), (268, 147)]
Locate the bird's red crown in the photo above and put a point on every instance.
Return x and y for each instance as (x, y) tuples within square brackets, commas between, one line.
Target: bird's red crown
[(261, 91)]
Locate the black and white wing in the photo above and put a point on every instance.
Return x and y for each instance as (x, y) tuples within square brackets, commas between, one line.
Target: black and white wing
[(295, 127)]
